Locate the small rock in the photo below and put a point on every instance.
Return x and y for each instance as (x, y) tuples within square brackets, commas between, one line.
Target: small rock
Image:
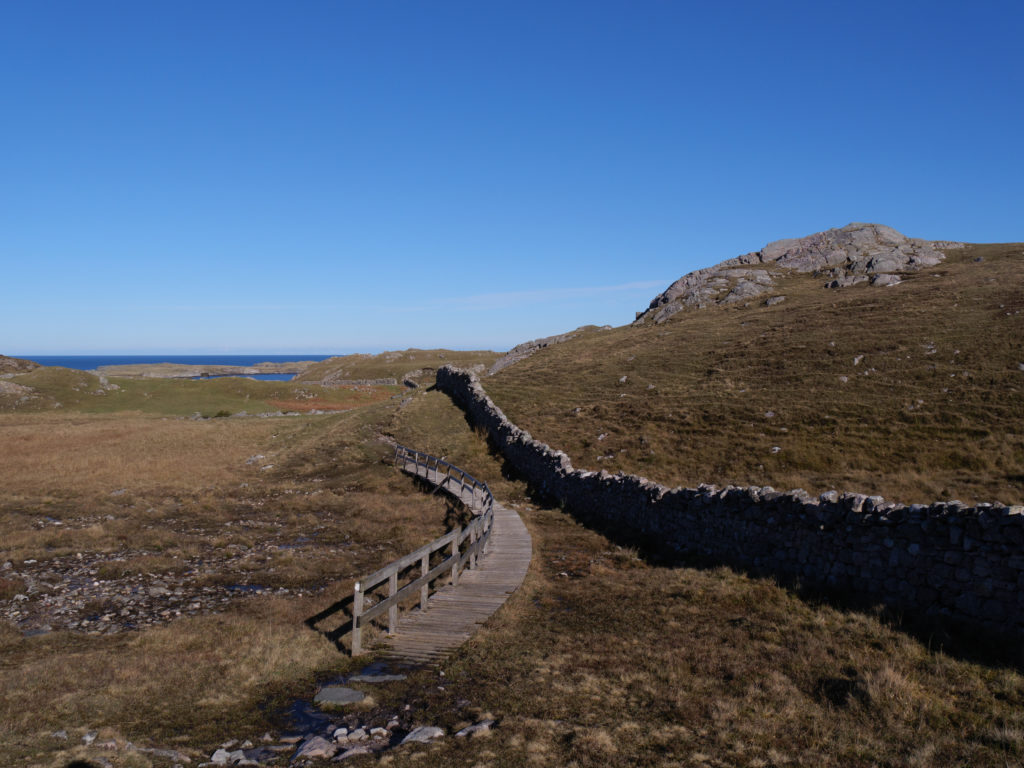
[(479, 729), (62, 735), (316, 747), (220, 757), (247, 744), (339, 734), (89, 738), (378, 733), (623, 379), (359, 734), (424, 734), (857, 359), (776, 449), (108, 744), (843, 379)]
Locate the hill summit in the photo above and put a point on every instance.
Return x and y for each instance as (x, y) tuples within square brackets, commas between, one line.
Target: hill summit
[(845, 256)]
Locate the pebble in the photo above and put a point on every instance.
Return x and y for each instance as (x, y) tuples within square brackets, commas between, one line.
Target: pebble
[(89, 738)]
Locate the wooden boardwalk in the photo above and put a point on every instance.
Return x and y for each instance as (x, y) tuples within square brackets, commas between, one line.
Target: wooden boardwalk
[(455, 612)]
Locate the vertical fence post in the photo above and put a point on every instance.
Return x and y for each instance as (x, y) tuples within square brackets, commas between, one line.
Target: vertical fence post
[(393, 609), (425, 589), (455, 556), (357, 629), (472, 540)]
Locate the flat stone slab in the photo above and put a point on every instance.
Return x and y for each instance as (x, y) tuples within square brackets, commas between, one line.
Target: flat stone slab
[(374, 678), (338, 694)]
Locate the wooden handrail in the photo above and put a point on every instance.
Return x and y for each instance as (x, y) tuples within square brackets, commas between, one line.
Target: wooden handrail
[(478, 533)]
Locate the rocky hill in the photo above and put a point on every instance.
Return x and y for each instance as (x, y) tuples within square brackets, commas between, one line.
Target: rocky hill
[(856, 253), (16, 365)]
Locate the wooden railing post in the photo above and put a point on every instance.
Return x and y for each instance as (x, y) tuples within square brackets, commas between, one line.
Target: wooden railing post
[(357, 629), (393, 610), (455, 556), (472, 540), (425, 589)]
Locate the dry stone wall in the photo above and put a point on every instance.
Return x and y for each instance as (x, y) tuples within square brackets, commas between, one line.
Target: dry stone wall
[(944, 558)]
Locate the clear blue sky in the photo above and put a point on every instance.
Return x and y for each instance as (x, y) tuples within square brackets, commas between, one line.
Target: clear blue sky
[(326, 176)]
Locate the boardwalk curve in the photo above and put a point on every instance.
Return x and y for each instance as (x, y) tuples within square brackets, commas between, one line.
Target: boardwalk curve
[(457, 609)]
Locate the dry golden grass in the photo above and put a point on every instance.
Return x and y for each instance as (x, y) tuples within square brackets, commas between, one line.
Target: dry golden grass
[(42, 454), (180, 685), (330, 509)]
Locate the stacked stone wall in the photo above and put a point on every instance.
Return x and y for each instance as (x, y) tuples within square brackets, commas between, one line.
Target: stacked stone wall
[(943, 558)]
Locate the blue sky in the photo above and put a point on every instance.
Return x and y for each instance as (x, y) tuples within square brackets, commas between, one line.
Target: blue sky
[(331, 176)]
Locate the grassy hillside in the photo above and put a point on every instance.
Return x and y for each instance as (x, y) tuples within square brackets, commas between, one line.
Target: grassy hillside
[(914, 392), (394, 365)]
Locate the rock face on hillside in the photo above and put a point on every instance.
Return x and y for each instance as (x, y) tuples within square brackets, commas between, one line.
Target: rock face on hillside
[(853, 254), (16, 365), (527, 348)]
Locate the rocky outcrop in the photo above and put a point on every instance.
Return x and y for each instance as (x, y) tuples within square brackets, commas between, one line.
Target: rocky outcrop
[(846, 256), (16, 365), (943, 558), (527, 348)]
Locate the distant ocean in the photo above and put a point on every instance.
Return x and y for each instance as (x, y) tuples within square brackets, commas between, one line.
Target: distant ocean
[(92, 362)]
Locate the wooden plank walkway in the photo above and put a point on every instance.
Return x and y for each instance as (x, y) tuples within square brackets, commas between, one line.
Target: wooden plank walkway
[(455, 613)]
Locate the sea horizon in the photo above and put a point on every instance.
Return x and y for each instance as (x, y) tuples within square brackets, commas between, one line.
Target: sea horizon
[(92, 362)]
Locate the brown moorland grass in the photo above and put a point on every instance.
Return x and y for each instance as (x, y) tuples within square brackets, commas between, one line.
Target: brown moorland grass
[(914, 392), (320, 508)]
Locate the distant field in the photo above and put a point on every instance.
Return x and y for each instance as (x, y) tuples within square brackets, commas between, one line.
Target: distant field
[(395, 365), (64, 388), (913, 391)]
